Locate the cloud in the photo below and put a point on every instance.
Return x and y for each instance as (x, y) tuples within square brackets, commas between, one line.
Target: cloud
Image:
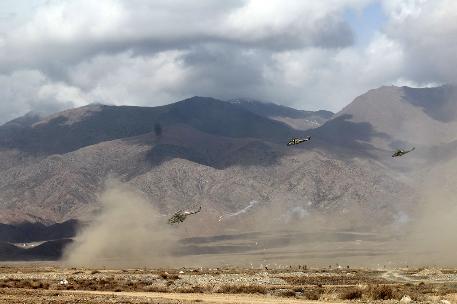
[(128, 79), (71, 30), (26, 90), (427, 32), (151, 53), (331, 78)]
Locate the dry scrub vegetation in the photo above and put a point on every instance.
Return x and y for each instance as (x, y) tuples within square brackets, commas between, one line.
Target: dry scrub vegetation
[(349, 285)]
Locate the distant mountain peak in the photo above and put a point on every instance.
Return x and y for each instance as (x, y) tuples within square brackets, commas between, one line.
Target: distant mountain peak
[(200, 99), (418, 116), (73, 115), (297, 119), (248, 100), (27, 119)]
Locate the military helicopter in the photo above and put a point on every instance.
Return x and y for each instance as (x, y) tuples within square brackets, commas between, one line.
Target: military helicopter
[(400, 152), (180, 216), (296, 141)]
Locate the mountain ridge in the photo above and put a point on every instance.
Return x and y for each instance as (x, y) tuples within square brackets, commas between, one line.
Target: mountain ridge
[(209, 152), (298, 119), (73, 129)]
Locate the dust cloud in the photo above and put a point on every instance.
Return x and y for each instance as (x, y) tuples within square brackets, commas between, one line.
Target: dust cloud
[(126, 232), (433, 238), (129, 232)]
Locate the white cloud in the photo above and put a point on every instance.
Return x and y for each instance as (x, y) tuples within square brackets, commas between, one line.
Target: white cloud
[(409, 83), (75, 20), (124, 78), (62, 94), (27, 90), (400, 10), (301, 23), (427, 32), (332, 78)]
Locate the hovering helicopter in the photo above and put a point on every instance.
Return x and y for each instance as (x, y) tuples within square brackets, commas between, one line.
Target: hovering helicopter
[(296, 141), (180, 216), (400, 152)]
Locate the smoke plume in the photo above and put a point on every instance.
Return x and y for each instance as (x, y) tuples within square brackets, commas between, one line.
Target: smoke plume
[(158, 129)]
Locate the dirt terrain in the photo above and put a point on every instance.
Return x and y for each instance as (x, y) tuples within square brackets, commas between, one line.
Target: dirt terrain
[(292, 284)]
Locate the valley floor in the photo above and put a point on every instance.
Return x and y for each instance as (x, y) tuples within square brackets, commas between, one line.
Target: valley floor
[(51, 284), (28, 296)]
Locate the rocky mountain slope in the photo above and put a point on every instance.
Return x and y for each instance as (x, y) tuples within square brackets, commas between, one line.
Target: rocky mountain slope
[(230, 158), (297, 119), (73, 129), (407, 116)]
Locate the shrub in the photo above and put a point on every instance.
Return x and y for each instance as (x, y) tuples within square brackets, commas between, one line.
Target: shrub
[(287, 293), (168, 276), (242, 289), (351, 294), (381, 292), (312, 294)]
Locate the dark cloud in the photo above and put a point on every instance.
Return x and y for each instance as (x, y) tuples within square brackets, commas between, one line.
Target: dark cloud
[(223, 70), (333, 32)]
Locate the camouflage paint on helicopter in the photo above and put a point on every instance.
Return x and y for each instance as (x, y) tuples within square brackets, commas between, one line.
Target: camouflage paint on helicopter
[(296, 141), (401, 152), (180, 216)]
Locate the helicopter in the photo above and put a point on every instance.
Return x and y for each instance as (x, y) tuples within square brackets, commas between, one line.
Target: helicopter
[(296, 141), (401, 152), (180, 216)]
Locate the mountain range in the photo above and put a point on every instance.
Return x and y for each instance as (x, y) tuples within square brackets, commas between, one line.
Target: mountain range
[(230, 157)]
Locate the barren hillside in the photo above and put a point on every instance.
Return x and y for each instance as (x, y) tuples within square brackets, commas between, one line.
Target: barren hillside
[(228, 158)]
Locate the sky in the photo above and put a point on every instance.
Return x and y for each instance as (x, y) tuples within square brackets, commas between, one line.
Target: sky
[(57, 54)]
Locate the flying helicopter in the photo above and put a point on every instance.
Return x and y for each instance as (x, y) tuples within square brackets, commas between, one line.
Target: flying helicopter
[(401, 152), (296, 141), (180, 216)]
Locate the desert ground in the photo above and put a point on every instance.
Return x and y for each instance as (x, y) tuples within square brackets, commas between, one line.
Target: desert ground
[(44, 283)]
